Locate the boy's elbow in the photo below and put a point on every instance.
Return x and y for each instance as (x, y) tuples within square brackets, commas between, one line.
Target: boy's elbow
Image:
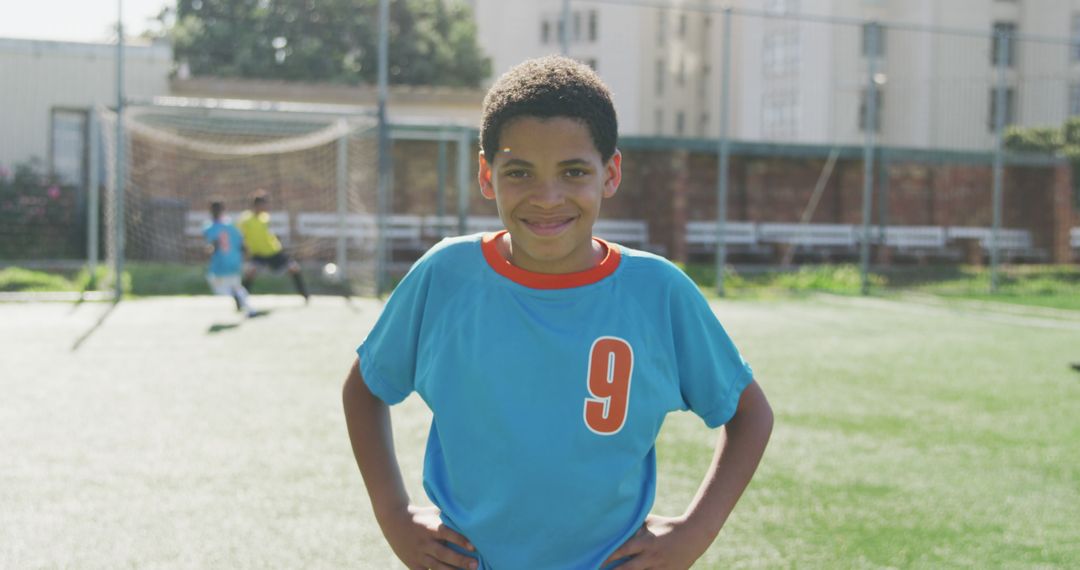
[(755, 409)]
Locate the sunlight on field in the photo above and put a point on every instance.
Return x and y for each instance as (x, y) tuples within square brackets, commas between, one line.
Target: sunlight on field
[(909, 434)]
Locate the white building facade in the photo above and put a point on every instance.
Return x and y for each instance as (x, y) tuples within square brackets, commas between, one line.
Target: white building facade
[(50, 88), (800, 68)]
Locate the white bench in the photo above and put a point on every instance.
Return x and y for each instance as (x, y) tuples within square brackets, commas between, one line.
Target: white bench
[(402, 230), (1014, 243), (1074, 238), (632, 233), (917, 238), (197, 220), (702, 234), (809, 235), (1008, 238)]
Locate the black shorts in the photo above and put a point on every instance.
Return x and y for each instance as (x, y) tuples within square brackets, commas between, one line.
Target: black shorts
[(276, 262)]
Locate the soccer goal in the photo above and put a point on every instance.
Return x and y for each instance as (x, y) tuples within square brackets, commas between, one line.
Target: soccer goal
[(319, 167)]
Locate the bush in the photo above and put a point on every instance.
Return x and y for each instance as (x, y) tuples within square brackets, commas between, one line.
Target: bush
[(37, 215)]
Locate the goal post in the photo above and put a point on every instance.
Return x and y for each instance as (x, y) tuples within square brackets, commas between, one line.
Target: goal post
[(318, 166)]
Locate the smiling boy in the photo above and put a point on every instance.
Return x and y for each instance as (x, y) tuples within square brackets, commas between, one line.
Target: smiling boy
[(549, 359)]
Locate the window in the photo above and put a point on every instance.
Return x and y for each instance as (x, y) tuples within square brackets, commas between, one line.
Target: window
[(879, 49), (577, 26), (863, 99), (682, 26), (703, 125), (1010, 108), (592, 25), (680, 123), (591, 62), (545, 32), (1074, 100), (680, 77), (1009, 45), (780, 54), (1074, 47), (67, 146), (660, 70), (659, 121), (780, 113), (661, 27), (703, 83)]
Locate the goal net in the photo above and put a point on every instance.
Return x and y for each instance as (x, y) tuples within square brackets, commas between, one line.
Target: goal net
[(319, 170)]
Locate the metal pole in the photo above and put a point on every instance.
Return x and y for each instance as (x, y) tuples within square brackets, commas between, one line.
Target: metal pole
[(118, 198), (463, 181), (440, 189), (1004, 39), (342, 202), (870, 124), (724, 153), (93, 192), (564, 28), (384, 150)]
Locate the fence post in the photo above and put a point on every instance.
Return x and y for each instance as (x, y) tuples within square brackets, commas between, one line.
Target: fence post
[(118, 198), (342, 199), (93, 197), (1002, 62), (463, 181), (440, 188), (870, 125), (723, 154), (384, 205)]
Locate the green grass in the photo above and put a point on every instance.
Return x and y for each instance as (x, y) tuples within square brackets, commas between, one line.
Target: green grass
[(140, 280), (908, 435), (1053, 286)]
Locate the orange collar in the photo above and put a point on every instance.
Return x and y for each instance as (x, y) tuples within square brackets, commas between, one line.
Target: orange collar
[(534, 280)]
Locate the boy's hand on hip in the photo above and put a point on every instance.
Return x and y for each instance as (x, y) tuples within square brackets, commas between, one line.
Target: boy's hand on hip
[(661, 543), (418, 537)]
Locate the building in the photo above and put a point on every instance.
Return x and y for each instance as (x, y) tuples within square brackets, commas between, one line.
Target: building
[(50, 88), (800, 69)]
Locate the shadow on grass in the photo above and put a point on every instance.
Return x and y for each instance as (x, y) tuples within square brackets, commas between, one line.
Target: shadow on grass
[(101, 320), (222, 327)]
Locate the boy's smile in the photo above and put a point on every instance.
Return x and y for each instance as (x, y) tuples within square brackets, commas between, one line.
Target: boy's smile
[(548, 181)]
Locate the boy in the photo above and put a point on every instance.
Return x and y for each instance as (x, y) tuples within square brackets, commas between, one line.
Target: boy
[(226, 247), (264, 247), (549, 358)]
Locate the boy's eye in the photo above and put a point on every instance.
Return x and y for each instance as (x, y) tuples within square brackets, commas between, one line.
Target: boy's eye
[(576, 172), (516, 173)]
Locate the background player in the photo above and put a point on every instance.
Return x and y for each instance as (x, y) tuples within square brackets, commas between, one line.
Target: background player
[(263, 247), (226, 247), (549, 359)]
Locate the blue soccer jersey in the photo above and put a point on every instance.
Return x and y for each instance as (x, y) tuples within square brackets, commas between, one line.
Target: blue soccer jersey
[(228, 256), (548, 392)]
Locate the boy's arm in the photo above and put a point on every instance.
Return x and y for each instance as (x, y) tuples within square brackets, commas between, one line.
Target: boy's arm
[(416, 534), (665, 542)]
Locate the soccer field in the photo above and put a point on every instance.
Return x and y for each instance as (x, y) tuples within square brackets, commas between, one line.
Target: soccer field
[(169, 433)]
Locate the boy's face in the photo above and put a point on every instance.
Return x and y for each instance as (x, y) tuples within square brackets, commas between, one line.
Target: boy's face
[(547, 179)]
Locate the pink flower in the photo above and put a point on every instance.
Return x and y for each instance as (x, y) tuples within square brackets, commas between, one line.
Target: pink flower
[(54, 192)]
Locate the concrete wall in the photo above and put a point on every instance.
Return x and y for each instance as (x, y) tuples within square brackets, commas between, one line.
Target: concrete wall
[(40, 76)]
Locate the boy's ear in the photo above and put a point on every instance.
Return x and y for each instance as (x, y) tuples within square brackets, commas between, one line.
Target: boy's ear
[(612, 174), (483, 176)]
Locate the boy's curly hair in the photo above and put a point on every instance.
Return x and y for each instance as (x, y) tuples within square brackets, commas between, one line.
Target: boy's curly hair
[(547, 87)]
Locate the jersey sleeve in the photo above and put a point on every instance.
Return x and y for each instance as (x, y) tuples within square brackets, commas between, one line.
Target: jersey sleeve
[(389, 353), (712, 372)]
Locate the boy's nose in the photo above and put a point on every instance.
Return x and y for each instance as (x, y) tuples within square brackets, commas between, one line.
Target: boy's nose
[(548, 194)]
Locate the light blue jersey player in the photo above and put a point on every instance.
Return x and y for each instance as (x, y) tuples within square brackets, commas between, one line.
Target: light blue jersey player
[(549, 359), (226, 247)]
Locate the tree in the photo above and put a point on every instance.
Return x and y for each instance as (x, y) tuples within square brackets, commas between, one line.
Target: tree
[(1064, 141), (431, 43)]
